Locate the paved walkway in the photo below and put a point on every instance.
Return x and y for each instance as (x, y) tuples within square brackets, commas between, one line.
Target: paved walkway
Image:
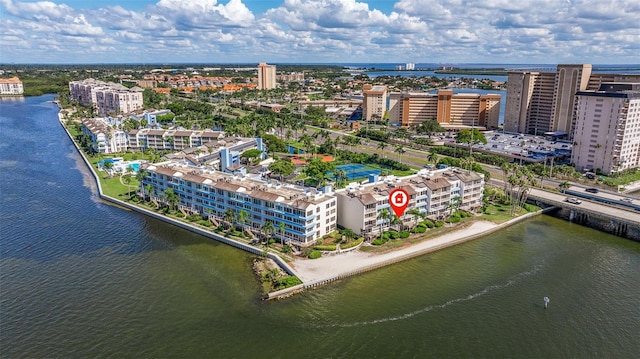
[(310, 270)]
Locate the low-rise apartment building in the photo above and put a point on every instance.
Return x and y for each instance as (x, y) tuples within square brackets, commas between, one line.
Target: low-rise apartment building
[(298, 215), (434, 194), (11, 86)]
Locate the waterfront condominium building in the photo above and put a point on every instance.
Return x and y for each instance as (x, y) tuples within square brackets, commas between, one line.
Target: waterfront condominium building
[(434, 194), (540, 102), (452, 111), (11, 86), (106, 97), (374, 103), (298, 215), (607, 129), (266, 76)]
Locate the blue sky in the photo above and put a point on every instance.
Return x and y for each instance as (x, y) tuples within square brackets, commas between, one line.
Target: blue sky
[(300, 31)]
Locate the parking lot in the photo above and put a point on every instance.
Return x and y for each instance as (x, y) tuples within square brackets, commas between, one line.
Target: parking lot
[(530, 148)]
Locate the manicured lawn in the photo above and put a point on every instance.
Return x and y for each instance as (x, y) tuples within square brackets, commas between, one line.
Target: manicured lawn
[(499, 213)]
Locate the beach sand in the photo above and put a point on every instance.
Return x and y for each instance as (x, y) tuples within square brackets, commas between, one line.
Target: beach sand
[(325, 267)]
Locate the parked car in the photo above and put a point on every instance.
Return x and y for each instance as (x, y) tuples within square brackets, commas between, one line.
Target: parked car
[(626, 199), (572, 200), (592, 190)]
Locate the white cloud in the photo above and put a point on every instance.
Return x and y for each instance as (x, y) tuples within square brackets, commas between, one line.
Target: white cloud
[(324, 31)]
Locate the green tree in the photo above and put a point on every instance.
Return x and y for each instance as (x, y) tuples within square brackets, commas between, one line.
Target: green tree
[(243, 218), (470, 137), (171, 198), (228, 217), (283, 167), (384, 215), (430, 127), (267, 229), (251, 155)]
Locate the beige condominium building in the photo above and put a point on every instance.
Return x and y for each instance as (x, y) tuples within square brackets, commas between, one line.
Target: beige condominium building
[(374, 103), (11, 86), (297, 215), (452, 111), (434, 194), (607, 129), (266, 76), (540, 102), (108, 98)]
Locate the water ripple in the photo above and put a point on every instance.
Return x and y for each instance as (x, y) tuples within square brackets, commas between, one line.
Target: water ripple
[(511, 281)]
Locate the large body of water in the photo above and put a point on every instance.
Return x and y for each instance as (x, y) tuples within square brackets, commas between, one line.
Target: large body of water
[(80, 278)]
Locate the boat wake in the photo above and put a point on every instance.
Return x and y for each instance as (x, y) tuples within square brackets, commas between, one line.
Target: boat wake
[(511, 281)]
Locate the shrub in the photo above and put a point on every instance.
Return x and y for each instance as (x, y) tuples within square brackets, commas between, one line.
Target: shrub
[(378, 242), (438, 224), (327, 247), (194, 217), (288, 281), (315, 254), (352, 243), (420, 230), (393, 234), (204, 223), (271, 241), (462, 214), (453, 219), (429, 223), (404, 234)]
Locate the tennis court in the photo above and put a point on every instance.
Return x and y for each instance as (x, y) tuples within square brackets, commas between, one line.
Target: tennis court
[(353, 171)]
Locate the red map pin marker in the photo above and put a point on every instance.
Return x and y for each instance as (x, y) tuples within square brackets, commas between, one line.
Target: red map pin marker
[(399, 200)]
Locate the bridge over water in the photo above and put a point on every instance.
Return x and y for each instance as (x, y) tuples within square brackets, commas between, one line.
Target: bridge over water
[(620, 221)]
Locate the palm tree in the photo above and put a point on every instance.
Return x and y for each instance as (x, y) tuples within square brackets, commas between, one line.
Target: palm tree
[(149, 189), (384, 215), (416, 214), (395, 220), (432, 157), (243, 218), (564, 186), (282, 229), (399, 150), (306, 142), (126, 178), (140, 177), (267, 228), (228, 217), (382, 146), (171, 198)]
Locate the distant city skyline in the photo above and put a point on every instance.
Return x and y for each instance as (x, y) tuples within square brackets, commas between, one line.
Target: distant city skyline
[(320, 31)]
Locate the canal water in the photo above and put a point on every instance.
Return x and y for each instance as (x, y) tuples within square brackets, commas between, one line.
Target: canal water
[(80, 278)]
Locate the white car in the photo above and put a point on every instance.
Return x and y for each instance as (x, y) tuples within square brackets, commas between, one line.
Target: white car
[(572, 200)]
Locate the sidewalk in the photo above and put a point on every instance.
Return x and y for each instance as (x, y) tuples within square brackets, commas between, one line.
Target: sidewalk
[(311, 270)]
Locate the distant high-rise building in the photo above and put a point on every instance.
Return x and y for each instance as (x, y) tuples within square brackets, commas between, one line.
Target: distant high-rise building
[(374, 103), (410, 66), (452, 111), (539, 102), (606, 135), (266, 76)]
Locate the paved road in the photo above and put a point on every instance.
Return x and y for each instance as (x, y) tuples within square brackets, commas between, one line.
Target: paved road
[(622, 214)]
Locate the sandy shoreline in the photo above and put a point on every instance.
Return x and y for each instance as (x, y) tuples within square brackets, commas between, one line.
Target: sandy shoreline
[(336, 265)]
